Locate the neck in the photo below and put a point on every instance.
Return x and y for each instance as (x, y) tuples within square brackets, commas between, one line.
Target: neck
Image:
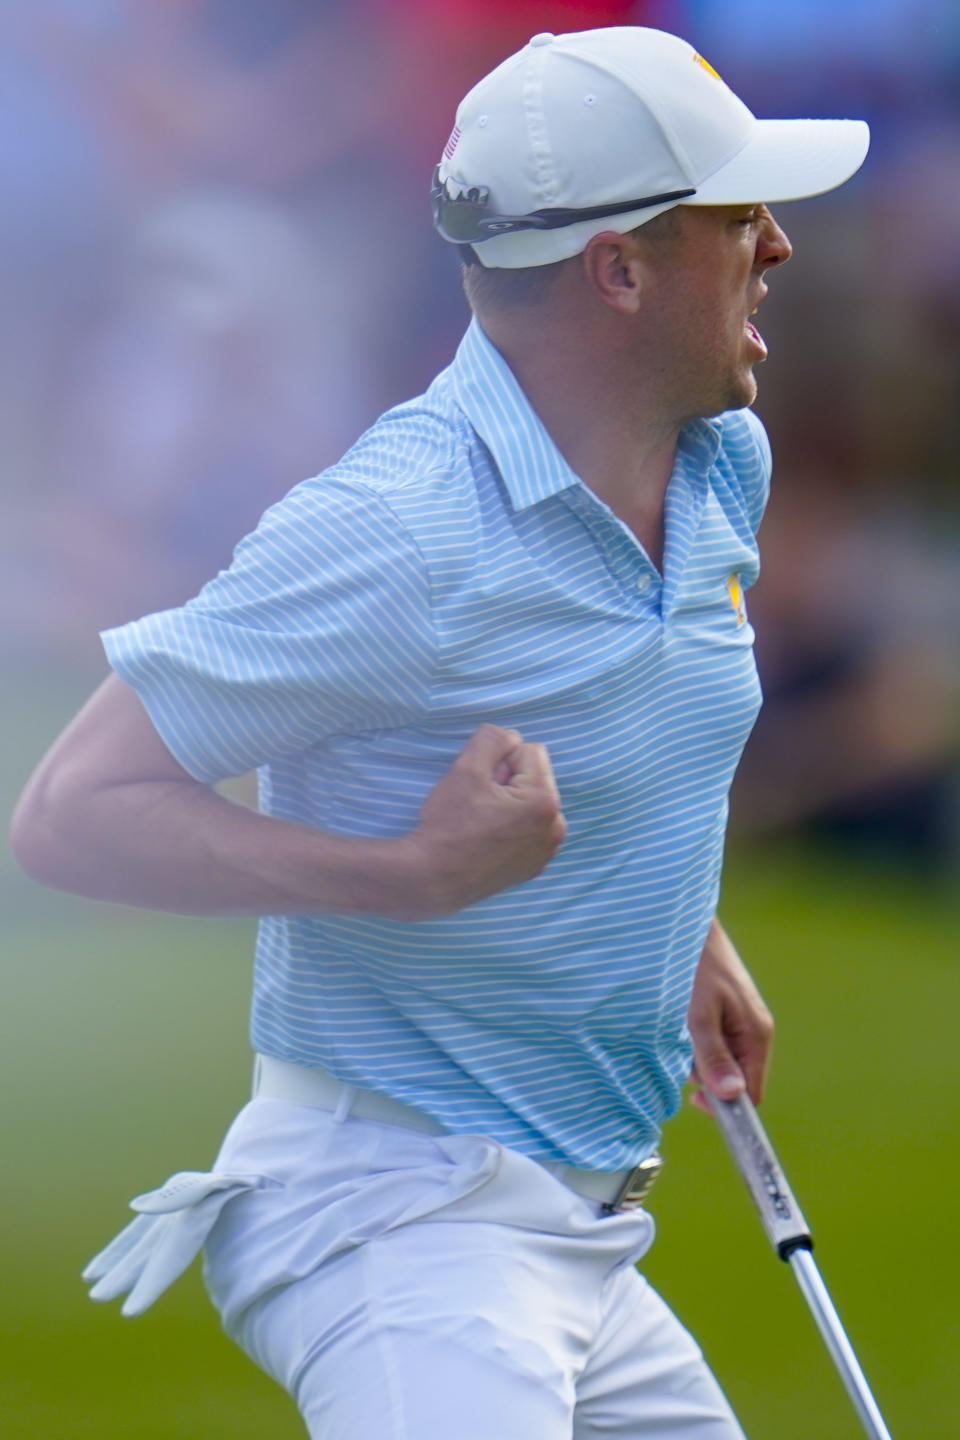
[(611, 425)]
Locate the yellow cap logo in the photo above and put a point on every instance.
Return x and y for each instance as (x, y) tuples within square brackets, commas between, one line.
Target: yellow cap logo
[(700, 61)]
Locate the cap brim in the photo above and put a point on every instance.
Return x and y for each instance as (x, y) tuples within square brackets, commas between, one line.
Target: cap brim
[(788, 160)]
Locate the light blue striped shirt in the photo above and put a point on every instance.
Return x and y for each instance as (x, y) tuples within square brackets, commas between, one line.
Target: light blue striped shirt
[(452, 569)]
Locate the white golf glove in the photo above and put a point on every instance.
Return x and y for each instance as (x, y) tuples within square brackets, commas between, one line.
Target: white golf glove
[(156, 1248)]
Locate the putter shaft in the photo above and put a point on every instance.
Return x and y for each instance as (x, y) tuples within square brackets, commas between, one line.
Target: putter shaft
[(790, 1237), (822, 1309)]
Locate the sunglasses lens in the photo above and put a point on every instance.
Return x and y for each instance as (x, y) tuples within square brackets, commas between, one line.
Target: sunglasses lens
[(459, 221)]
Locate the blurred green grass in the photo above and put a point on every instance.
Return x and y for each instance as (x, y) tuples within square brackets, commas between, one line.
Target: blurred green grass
[(124, 1056)]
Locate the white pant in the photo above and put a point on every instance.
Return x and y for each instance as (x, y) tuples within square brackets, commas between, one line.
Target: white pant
[(412, 1287)]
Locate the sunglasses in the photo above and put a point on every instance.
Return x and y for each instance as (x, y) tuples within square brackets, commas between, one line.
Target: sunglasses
[(467, 219)]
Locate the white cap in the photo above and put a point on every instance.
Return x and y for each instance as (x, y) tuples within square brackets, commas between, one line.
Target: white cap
[(602, 116)]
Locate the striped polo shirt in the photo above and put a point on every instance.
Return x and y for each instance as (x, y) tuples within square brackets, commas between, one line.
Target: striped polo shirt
[(452, 569)]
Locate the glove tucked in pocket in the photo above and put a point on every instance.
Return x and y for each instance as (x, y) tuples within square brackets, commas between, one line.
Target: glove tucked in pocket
[(170, 1230)]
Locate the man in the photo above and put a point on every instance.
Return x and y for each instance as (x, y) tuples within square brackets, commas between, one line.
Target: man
[(497, 673)]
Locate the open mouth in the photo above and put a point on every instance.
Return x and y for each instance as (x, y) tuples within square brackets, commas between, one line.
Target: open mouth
[(754, 334)]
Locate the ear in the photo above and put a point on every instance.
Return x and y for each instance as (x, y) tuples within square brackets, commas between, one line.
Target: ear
[(613, 268)]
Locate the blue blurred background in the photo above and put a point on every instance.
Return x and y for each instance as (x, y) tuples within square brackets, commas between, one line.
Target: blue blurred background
[(218, 268)]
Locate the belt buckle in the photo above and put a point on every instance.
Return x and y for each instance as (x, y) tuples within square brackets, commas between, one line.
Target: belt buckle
[(636, 1186)]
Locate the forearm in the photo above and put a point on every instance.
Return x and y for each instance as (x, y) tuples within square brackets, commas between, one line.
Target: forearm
[(182, 847), (111, 814)]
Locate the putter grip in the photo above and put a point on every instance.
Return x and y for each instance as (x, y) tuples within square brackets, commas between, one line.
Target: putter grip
[(781, 1215)]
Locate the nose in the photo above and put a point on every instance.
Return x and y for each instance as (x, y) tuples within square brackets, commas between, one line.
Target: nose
[(773, 246)]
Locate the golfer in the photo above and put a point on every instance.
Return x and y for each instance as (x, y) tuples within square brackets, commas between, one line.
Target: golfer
[(496, 671)]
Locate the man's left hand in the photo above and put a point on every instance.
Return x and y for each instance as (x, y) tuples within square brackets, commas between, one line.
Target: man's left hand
[(731, 1027)]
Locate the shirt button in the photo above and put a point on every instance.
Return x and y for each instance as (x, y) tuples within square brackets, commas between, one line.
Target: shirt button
[(643, 583)]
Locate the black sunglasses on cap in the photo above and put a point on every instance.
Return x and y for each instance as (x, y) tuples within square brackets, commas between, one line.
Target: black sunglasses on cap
[(467, 219)]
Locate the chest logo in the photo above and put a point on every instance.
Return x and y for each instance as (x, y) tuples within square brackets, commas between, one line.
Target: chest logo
[(735, 591)]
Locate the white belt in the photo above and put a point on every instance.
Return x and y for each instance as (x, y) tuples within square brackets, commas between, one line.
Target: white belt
[(616, 1190)]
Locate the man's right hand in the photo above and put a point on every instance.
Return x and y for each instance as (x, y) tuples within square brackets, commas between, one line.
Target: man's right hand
[(492, 821), (110, 813)]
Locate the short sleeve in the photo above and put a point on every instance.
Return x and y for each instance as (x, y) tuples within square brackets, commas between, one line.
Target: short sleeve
[(321, 625)]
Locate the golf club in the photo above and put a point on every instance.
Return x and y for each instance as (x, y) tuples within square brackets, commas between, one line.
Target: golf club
[(788, 1234)]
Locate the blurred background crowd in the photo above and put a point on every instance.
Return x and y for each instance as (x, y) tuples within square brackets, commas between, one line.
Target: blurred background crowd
[(219, 268)]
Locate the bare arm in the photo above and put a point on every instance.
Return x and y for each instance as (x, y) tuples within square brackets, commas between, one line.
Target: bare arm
[(111, 814)]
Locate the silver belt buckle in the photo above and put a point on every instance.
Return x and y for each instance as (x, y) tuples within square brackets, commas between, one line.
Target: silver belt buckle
[(636, 1186)]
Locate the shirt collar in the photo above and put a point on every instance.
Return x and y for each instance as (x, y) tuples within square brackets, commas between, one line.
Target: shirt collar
[(699, 441), (529, 462), (488, 393)]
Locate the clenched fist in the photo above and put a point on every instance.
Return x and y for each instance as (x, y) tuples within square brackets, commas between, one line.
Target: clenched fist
[(492, 821)]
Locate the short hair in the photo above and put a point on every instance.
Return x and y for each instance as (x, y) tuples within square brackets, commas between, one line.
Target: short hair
[(493, 289), (501, 289)]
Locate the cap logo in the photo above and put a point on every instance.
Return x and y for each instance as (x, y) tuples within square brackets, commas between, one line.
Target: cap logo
[(707, 66), (452, 143)]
